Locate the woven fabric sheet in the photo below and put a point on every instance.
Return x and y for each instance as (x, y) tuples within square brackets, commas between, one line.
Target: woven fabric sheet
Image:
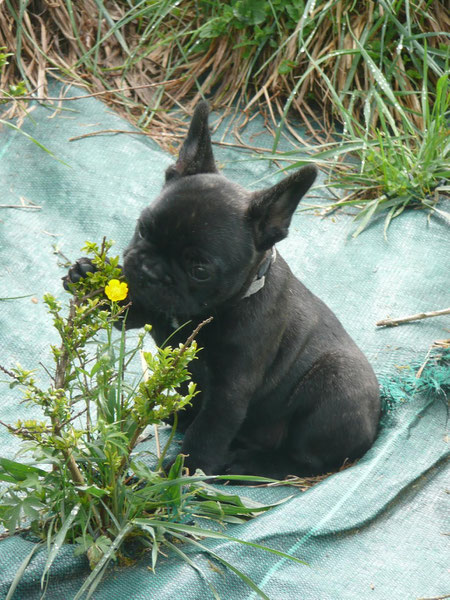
[(376, 530)]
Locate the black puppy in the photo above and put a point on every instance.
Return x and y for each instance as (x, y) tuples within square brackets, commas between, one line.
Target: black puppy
[(284, 389)]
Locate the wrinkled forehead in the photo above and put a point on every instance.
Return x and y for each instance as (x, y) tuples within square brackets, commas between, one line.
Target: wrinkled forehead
[(206, 211)]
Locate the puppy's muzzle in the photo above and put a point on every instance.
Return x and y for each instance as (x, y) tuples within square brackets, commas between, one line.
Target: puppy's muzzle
[(154, 273)]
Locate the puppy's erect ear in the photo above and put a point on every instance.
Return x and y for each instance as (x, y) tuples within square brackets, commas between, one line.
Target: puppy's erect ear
[(270, 211), (196, 155)]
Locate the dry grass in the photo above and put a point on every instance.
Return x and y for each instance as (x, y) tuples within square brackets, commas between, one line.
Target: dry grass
[(108, 46), (367, 79)]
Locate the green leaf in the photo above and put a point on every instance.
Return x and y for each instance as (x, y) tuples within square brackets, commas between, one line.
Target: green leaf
[(11, 516), (176, 470), (365, 215), (32, 507), (13, 471), (286, 66), (245, 578), (98, 549), (155, 546), (93, 490), (250, 12)]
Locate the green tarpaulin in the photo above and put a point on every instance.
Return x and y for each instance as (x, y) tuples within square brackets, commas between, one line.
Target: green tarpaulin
[(378, 530)]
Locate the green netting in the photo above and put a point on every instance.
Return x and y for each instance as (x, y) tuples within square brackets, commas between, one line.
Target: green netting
[(375, 530)]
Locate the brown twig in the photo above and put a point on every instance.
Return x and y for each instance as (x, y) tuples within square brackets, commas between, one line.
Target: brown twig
[(24, 203), (113, 131), (25, 432), (423, 315), (7, 98), (444, 344), (242, 145), (64, 423), (191, 338), (23, 206), (9, 373)]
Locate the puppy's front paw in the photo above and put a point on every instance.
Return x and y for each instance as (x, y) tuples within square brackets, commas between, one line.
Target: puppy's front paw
[(208, 467), (78, 271)]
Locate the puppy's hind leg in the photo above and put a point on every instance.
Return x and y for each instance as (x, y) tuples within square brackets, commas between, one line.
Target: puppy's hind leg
[(274, 464), (338, 414)]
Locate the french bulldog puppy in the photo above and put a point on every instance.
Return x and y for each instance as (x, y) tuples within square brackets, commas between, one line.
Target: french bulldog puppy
[(284, 389)]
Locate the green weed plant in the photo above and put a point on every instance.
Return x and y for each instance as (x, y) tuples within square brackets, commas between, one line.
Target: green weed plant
[(82, 479), (399, 166)]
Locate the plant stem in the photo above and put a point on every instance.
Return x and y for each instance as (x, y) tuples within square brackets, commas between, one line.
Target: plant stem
[(61, 384), (168, 443), (140, 428)]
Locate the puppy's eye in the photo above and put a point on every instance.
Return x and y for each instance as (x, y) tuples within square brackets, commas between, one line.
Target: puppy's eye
[(199, 273)]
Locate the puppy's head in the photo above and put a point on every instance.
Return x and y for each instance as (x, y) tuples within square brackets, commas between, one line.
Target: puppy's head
[(199, 245)]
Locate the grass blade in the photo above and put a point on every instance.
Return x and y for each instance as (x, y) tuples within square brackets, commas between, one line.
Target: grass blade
[(191, 563), (366, 215), (32, 139), (96, 576), (378, 75), (19, 574), (59, 541), (192, 529), (245, 578)]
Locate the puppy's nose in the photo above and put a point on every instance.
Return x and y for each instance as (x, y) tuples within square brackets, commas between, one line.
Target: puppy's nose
[(154, 273)]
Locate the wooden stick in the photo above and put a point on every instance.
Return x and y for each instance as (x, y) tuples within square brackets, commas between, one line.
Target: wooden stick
[(8, 98), (423, 315), (24, 203), (22, 206)]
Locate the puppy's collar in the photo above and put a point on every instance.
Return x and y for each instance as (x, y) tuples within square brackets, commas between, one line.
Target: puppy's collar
[(260, 279)]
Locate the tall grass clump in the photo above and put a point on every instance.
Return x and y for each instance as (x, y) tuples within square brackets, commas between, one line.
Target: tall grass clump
[(83, 478), (364, 77), (245, 49), (401, 165)]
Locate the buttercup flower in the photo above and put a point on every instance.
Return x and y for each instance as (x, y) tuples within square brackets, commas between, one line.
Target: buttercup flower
[(116, 290)]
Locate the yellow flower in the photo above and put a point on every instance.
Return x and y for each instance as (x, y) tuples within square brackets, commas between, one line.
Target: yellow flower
[(116, 290)]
